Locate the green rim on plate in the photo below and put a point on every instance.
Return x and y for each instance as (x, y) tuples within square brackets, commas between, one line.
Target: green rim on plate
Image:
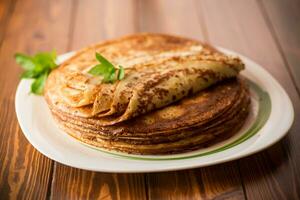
[(264, 110)]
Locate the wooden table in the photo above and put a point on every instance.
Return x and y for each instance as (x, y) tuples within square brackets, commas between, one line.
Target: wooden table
[(268, 31)]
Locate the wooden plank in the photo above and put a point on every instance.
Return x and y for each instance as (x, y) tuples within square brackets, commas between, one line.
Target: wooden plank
[(6, 9), (172, 17), (99, 20), (94, 22), (71, 183), (181, 17), (174, 185), (266, 175), (221, 181), (34, 26), (216, 182), (283, 17), (273, 174)]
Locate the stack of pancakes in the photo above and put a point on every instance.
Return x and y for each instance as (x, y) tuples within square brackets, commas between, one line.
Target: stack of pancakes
[(177, 95)]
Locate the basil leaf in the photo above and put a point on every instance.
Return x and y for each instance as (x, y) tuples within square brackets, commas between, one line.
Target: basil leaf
[(37, 67), (37, 87), (46, 60), (98, 70), (103, 61), (25, 61), (121, 73), (107, 70), (111, 77), (30, 74)]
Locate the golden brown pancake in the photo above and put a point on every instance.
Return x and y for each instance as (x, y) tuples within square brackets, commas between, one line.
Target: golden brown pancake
[(159, 70), (177, 95), (191, 123)]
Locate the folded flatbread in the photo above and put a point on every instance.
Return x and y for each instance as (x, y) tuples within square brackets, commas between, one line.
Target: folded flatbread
[(159, 70)]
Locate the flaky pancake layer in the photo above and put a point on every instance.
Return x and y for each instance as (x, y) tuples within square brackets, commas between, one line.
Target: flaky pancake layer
[(195, 142), (177, 94), (242, 98), (199, 108), (218, 125), (159, 70)]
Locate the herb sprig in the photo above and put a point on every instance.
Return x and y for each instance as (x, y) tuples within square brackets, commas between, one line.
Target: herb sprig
[(37, 67), (106, 69)]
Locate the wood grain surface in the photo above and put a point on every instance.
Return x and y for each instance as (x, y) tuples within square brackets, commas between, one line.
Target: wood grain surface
[(266, 31)]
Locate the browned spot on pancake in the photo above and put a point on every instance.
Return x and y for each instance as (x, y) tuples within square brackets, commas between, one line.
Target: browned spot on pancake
[(198, 99), (148, 120), (171, 112)]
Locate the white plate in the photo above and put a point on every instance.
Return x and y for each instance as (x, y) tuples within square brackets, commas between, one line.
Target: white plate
[(271, 116)]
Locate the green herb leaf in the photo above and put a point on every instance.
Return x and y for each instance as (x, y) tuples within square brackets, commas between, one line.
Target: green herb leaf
[(29, 74), (37, 87), (46, 60), (25, 61), (107, 70), (121, 73), (98, 70), (103, 61), (37, 67), (111, 77)]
